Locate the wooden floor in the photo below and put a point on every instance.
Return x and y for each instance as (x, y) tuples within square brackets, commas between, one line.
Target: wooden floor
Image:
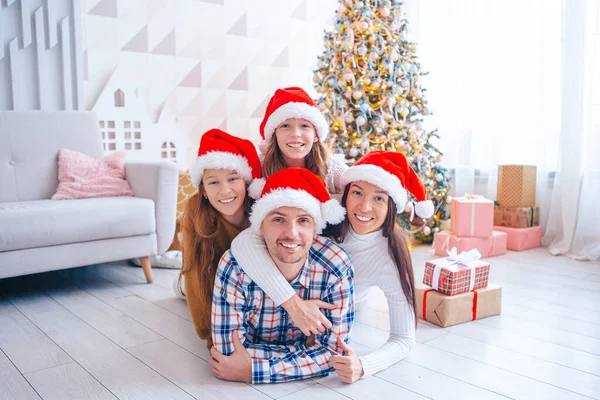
[(100, 332)]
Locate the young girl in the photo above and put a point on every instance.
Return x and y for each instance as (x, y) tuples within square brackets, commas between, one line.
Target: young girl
[(293, 131), (374, 189), (213, 217)]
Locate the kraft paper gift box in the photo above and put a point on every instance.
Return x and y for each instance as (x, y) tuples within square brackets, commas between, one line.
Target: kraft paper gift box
[(472, 215), (516, 217), (522, 238), (444, 311), (457, 273), (487, 247), (516, 185)]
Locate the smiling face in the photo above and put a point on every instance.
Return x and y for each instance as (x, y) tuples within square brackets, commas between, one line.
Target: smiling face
[(225, 190), (288, 233), (366, 207), (295, 138)]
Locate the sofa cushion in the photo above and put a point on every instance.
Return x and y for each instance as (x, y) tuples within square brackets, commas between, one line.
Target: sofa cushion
[(29, 224), (83, 177)]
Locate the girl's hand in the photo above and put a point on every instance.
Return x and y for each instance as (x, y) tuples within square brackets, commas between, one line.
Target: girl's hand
[(306, 314)]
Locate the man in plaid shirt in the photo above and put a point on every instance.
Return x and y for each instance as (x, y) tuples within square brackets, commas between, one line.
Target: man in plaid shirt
[(254, 339)]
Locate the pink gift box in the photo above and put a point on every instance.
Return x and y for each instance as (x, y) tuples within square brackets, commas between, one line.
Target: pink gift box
[(472, 216), (494, 245), (522, 238)]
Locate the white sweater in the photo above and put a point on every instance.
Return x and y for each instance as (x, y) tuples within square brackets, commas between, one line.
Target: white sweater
[(372, 267)]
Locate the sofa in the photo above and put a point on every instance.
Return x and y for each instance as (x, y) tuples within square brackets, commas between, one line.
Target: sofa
[(38, 234)]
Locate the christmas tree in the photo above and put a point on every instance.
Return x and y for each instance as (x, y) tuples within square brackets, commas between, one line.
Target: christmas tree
[(369, 79)]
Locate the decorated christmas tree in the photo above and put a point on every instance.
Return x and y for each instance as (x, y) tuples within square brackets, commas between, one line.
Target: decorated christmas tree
[(369, 81)]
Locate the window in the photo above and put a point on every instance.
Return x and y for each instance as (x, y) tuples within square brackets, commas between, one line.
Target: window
[(119, 98), (168, 151), (132, 138), (109, 136)]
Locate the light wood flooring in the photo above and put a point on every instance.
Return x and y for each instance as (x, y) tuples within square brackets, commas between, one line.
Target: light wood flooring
[(101, 332)]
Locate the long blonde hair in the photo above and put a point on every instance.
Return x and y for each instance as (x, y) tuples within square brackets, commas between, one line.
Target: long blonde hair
[(316, 160), (206, 223)]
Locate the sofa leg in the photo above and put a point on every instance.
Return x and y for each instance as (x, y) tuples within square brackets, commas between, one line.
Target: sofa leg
[(147, 268)]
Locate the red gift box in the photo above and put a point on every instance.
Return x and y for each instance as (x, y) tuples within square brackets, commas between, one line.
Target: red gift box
[(488, 247), (453, 277), (522, 238)]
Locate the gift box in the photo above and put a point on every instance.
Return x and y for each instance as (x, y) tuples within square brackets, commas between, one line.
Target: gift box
[(472, 215), (522, 238), (458, 273), (516, 217), (494, 245), (442, 310), (516, 185)]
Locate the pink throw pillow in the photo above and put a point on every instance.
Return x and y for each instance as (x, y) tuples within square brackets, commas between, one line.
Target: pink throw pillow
[(81, 176)]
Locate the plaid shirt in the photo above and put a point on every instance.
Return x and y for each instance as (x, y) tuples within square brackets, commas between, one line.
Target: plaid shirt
[(277, 347)]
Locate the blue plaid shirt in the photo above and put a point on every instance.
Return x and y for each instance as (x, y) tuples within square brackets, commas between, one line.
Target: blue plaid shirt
[(277, 347)]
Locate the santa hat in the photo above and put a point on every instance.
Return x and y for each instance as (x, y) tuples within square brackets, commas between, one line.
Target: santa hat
[(390, 171), (291, 102), (294, 187), (220, 150)]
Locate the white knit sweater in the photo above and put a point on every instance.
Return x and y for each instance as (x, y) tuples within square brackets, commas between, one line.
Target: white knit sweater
[(372, 267)]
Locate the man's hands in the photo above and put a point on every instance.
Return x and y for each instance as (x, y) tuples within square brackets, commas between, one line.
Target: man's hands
[(237, 367), (307, 316), (348, 367)]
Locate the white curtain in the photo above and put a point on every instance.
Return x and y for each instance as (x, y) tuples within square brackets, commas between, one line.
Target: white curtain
[(500, 94)]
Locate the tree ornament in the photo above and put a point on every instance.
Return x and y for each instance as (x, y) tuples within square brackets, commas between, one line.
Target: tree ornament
[(357, 94), (361, 120), (426, 230)]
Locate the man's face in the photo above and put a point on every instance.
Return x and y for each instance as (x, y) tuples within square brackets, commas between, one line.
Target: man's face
[(288, 234)]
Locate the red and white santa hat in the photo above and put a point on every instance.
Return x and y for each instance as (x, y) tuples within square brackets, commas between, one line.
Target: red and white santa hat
[(391, 172), (220, 150), (294, 187), (291, 102)]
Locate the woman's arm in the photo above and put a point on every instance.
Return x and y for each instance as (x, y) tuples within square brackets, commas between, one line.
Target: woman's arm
[(251, 253), (402, 326)]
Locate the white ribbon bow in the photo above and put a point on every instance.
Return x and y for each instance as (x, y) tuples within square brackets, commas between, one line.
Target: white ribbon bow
[(466, 259)]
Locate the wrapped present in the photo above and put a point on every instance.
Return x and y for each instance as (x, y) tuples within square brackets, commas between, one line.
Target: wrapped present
[(516, 185), (472, 215), (492, 246), (442, 310), (522, 238), (516, 217), (457, 273)]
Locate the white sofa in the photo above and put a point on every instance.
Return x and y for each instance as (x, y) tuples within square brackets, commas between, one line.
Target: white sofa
[(38, 234)]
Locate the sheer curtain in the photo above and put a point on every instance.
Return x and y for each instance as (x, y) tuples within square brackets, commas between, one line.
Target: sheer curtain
[(574, 224), (497, 93)]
